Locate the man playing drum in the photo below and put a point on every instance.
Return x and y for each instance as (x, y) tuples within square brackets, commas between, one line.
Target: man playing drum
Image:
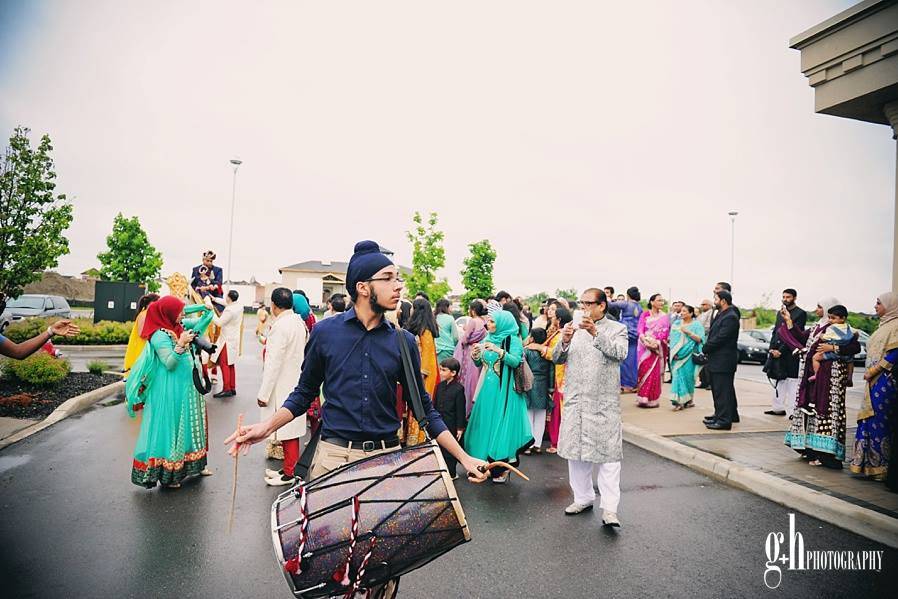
[(356, 356)]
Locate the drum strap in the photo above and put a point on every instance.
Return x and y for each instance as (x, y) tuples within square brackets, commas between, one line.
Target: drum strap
[(305, 460), (411, 386)]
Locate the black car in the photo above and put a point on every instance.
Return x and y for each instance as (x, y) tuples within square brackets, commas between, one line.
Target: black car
[(752, 349)]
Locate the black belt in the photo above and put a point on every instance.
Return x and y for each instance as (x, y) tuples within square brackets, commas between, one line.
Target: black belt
[(363, 445)]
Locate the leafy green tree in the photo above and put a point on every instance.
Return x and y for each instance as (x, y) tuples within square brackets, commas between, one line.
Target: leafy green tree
[(33, 219), (477, 275), (568, 294), (536, 300), (428, 256), (131, 257)]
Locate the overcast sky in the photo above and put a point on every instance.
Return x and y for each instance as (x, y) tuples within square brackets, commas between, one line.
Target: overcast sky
[(592, 143)]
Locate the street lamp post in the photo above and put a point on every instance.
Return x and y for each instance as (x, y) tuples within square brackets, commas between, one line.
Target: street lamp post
[(733, 215), (236, 162)]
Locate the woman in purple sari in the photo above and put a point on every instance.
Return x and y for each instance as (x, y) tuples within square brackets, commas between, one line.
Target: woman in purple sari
[(475, 332), (818, 423), (654, 336)]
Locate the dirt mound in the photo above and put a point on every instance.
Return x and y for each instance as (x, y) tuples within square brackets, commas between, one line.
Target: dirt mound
[(71, 288)]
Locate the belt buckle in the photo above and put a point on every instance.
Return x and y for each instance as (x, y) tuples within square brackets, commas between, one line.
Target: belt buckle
[(368, 446)]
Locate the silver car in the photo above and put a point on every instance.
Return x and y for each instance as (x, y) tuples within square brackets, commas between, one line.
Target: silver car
[(34, 305)]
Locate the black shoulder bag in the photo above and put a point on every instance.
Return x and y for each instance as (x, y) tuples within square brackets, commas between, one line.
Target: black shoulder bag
[(411, 384)]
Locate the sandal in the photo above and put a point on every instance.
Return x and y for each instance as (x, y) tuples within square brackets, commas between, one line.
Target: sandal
[(815, 463), (173, 486), (677, 407), (206, 472), (552, 450), (689, 404), (527, 452)]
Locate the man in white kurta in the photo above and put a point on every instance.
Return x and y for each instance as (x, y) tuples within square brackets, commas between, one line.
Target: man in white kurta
[(284, 352), (229, 342), (590, 424)]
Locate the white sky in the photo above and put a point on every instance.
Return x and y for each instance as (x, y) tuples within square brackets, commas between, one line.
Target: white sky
[(593, 143)]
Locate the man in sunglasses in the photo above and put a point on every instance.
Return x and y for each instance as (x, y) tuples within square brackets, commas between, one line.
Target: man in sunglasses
[(591, 432)]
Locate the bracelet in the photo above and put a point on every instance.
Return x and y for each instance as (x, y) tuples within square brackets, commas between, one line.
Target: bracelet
[(49, 332), (179, 349)]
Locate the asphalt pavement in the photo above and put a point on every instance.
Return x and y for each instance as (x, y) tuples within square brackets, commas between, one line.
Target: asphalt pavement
[(74, 526)]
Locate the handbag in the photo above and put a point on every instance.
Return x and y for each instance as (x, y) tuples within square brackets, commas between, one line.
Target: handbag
[(523, 377), (700, 359)]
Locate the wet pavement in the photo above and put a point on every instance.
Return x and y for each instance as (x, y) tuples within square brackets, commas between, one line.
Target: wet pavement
[(74, 526)]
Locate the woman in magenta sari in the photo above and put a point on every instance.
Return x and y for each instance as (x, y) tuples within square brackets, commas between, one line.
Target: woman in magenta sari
[(654, 335), (475, 332)]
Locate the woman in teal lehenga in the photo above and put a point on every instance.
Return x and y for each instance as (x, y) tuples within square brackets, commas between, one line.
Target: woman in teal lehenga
[(173, 439), (686, 338), (499, 428)]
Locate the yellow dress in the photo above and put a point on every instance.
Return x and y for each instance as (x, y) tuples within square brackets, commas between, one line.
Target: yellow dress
[(136, 343), (430, 372)]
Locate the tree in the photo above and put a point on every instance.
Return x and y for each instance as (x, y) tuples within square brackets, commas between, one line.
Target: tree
[(535, 301), (131, 257), (568, 294), (477, 276), (32, 218), (428, 256)]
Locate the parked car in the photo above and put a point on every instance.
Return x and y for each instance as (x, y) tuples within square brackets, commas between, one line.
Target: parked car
[(762, 335), (34, 305), (752, 349)]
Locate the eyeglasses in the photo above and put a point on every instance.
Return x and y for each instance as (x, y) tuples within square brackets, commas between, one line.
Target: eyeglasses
[(587, 303), (390, 280)]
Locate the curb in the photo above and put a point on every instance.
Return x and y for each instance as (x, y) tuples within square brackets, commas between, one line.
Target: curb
[(839, 512), (67, 408)]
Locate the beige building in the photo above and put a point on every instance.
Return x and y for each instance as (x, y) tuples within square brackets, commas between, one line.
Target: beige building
[(321, 279), (851, 61)]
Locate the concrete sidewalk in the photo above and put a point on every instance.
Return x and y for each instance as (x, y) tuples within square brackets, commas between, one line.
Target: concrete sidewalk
[(756, 444)]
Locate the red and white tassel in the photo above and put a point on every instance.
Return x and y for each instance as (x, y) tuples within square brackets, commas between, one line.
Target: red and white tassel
[(361, 573), (341, 576), (294, 565)]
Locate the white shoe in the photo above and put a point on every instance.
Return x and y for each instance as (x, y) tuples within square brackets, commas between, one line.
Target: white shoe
[(577, 508), (269, 473), (279, 481), (610, 519)]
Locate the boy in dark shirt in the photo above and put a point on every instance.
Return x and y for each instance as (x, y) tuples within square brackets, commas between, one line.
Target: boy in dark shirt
[(450, 403)]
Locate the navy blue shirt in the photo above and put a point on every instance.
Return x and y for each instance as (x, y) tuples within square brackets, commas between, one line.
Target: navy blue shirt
[(360, 370)]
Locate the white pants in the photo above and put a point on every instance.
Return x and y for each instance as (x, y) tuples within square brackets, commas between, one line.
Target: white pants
[(784, 395), (608, 479), (537, 425)]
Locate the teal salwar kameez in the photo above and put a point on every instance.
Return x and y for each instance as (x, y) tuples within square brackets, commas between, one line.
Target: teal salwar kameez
[(682, 368), (499, 427), (172, 443)]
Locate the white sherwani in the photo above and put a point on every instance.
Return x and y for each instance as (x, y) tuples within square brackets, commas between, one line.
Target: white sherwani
[(590, 421), (284, 352), (230, 321)]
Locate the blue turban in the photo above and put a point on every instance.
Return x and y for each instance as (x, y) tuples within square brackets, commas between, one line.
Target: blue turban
[(301, 305), (365, 262)]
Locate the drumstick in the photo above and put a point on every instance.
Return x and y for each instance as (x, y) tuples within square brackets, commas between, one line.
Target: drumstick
[(503, 465), (234, 488)]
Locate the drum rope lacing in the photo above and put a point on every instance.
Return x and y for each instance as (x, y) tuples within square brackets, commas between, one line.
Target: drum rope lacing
[(293, 565)]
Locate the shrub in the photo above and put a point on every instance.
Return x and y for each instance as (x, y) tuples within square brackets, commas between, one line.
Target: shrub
[(97, 367), (104, 332), (40, 369)]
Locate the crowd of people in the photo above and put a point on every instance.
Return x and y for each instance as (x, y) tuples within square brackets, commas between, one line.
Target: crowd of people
[(512, 382)]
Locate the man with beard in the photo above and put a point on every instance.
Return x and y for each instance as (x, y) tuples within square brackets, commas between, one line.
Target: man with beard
[(723, 356), (782, 364), (356, 356)]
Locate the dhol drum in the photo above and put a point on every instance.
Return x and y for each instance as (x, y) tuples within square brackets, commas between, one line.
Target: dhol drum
[(364, 523)]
